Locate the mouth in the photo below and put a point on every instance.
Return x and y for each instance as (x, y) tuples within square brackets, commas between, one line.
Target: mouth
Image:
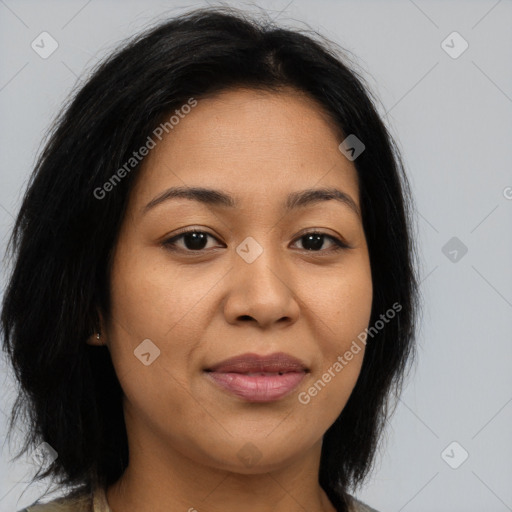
[(256, 378)]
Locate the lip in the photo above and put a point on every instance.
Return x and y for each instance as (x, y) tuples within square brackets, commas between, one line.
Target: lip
[(254, 363), (258, 378)]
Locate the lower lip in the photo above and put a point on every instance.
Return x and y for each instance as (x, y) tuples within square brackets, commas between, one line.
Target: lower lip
[(258, 388)]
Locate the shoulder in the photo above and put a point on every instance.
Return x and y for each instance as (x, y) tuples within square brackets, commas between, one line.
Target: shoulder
[(358, 506), (82, 503)]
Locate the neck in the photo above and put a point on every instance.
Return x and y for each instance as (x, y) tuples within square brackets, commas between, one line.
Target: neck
[(157, 481)]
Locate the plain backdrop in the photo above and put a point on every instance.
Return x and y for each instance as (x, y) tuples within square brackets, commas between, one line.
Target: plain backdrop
[(450, 108)]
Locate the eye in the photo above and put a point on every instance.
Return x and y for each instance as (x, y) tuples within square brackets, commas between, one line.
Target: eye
[(314, 240), (194, 240)]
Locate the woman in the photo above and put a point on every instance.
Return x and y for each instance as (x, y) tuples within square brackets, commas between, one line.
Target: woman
[(214, 293)]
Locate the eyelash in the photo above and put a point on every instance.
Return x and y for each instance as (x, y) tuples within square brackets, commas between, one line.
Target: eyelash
[(170, 243)]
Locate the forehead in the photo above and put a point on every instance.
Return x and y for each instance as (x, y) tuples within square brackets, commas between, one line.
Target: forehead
[(249, 142)]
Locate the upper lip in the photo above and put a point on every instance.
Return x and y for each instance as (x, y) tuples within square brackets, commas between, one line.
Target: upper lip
[(252, 363)]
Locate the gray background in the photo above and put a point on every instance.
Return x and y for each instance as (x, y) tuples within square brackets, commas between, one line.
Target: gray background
[(452, 117)]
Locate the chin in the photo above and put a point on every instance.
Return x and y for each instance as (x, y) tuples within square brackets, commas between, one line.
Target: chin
[(252, 457)]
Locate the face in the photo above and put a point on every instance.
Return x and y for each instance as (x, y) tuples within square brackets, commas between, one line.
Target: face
[(248, 278)]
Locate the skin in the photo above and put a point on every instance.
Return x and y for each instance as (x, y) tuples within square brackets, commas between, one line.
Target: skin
[(185, 433)]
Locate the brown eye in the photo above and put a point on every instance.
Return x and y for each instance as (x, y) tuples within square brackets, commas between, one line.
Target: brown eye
[(193, 241), (314, 241)]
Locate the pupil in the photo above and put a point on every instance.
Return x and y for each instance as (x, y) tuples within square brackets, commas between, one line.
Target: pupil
[(316, 240), (195, 241)]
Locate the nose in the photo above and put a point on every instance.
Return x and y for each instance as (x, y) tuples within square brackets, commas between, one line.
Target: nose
[(262, 291)]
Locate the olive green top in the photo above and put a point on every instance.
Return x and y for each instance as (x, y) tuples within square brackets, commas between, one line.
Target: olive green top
[(98, 503)]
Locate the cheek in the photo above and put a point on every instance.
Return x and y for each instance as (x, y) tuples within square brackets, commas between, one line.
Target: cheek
[(343, 305), (145, 317), (354, 309), (152, 299)]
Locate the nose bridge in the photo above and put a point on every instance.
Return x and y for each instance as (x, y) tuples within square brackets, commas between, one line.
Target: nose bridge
[(259, 260)]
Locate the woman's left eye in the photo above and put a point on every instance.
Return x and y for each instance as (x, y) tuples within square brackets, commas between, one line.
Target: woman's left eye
[(196, 241), (316, 240)]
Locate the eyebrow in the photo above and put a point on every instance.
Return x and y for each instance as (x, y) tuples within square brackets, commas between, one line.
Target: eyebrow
[(294, 201)]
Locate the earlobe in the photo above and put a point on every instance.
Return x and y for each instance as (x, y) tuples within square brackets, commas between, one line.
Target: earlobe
[(95, 339)]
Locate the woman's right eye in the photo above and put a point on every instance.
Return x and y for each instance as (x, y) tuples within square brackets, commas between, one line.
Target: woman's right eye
[(193, 241)]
